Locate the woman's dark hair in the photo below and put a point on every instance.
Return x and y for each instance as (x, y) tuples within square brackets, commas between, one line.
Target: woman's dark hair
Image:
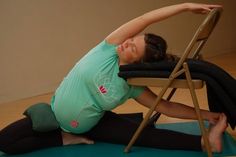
[(155, 48)]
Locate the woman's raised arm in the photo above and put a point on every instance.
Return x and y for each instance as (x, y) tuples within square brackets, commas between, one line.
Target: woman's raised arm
[(138, 24)]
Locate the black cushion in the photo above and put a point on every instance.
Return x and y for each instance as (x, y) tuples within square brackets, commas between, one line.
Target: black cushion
[(42, 116), (220, 85)]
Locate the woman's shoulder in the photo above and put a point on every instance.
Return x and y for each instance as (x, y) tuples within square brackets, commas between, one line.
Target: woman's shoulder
[(101, 50), (104, 44)]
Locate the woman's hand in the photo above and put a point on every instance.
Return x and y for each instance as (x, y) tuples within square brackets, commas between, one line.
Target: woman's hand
[(212, 117), (201, 8)]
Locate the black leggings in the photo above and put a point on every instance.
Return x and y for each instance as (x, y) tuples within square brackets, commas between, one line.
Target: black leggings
[(19, 137)]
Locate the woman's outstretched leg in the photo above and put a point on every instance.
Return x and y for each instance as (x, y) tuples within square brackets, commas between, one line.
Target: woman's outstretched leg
[(114, 128)]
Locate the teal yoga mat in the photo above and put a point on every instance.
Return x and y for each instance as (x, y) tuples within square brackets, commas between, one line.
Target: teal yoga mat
[(113, 150)]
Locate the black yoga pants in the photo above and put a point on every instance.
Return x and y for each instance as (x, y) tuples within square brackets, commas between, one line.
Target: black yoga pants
[(19, 137)]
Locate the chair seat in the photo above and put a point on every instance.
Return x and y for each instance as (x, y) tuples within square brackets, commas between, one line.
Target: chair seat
[(161, 82)]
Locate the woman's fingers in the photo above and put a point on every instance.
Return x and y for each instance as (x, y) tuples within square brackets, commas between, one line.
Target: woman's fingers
[(202, 8)]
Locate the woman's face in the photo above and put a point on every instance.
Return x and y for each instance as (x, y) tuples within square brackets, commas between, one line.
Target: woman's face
[(131, 50)]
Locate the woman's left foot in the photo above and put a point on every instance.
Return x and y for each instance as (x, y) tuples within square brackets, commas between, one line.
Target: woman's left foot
[(69, 139)]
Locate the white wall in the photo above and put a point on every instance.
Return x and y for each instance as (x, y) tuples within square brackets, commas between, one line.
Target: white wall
[(41, 40)]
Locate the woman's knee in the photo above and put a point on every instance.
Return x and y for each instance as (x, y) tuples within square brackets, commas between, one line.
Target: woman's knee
[(5, 141), (14, 132)]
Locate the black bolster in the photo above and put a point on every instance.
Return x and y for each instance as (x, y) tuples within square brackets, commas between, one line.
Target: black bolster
[(221, 87)]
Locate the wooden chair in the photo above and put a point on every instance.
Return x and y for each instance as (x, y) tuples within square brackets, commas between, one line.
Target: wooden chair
[(193, 48)]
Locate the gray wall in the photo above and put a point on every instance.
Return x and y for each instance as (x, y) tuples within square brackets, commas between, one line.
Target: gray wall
[(41, 40)]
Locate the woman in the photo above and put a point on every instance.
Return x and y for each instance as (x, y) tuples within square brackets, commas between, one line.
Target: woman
[(92, 88)]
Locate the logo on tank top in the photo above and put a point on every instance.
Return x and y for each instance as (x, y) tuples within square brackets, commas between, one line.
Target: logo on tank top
[(105, 87)]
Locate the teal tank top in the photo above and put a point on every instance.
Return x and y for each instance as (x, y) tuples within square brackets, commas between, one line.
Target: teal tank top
[(91, 88)]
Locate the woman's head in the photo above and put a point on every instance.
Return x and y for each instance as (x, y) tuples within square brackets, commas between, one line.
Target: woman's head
[(131, 50), (142, 48), (155, 48)]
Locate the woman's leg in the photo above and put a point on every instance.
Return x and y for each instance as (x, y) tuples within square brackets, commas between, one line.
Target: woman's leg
[(116, 129), (19, 137), (69, 138)]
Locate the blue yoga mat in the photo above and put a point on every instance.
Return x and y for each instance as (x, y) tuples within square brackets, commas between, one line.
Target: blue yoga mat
[(113, 150)]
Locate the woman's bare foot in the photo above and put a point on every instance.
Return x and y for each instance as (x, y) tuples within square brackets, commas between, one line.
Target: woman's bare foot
[(215, 134), (69, 139)]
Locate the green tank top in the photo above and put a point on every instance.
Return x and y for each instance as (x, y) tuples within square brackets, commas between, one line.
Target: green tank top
[(91, 88)]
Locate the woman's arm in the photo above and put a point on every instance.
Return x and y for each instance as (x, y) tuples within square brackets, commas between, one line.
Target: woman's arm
[(138, 24), (173, 109)]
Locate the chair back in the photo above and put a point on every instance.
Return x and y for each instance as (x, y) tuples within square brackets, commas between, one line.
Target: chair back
[(200, 37), (204, 31)]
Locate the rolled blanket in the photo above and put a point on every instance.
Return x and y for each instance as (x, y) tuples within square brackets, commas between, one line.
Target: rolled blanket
[(220, 85), (42, 117)]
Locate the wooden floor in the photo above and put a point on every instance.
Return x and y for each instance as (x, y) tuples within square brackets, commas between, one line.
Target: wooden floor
[(13, 110)]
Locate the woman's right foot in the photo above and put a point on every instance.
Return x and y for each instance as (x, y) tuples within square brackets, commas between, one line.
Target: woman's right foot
[(216, 132)]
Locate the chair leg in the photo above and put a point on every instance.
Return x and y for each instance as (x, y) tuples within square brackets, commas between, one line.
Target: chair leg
[(157, 115), (197, 109), (171, 94), (147, 116), (154, 118)]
